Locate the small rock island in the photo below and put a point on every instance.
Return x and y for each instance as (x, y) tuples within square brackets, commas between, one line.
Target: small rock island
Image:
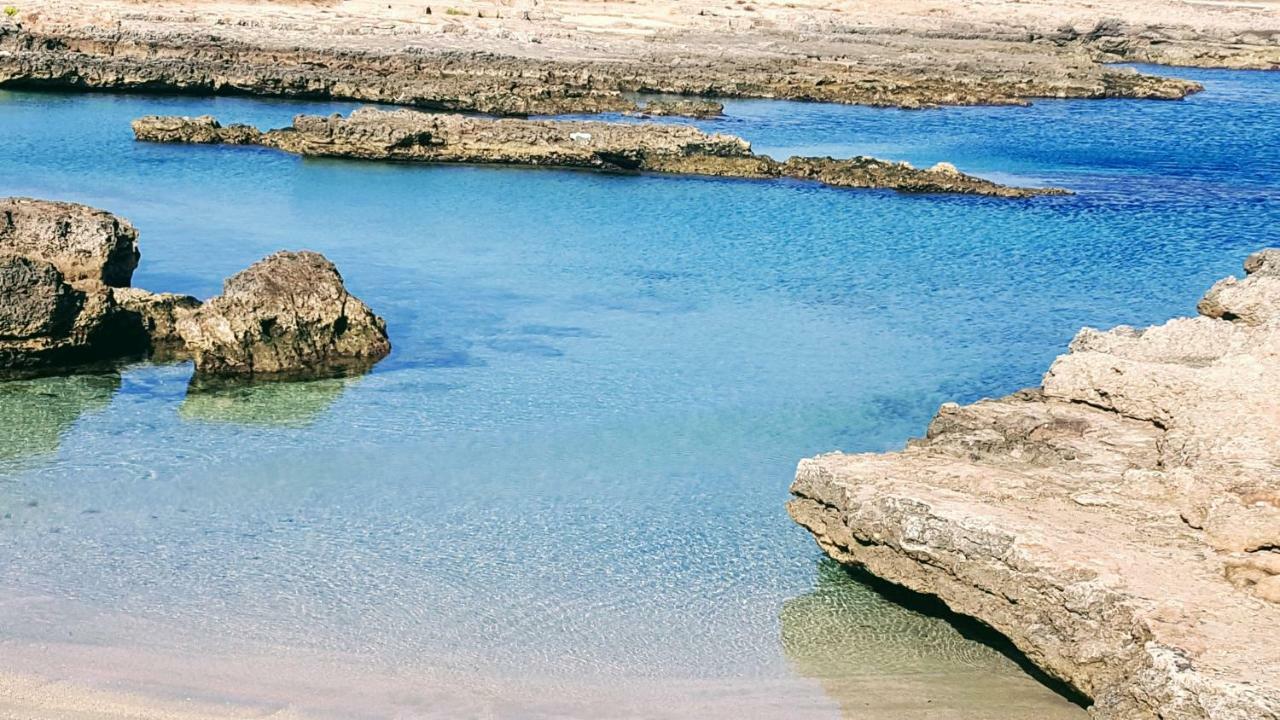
[(408, 135)]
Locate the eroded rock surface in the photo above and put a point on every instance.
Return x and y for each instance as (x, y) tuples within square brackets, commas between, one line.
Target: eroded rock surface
[(1121, 524), (286, 315), (83, 242), (408, 135), (59, 263), (47, 323), (158, 315)]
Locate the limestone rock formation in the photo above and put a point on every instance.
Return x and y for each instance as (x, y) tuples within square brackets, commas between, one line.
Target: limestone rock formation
[(1121, 524), (545, 62), (693, 108), (158, 315), (84, 243), (287, 315), (46, 323), (65, 303), (407, 135), (204, 129)]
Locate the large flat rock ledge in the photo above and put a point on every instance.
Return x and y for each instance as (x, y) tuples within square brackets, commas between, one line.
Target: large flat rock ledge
[(1120, 524)]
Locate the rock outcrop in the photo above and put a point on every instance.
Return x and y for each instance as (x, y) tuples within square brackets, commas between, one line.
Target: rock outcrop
[(58, 265), (84, 243), (287, 315), (408, 135), (65, 305), (158, 314), (537, 63), (1120, 524)]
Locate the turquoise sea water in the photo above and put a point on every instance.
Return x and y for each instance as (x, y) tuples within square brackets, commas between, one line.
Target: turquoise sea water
[(562, 494)]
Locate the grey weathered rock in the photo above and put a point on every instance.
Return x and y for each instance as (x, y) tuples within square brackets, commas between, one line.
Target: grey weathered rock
[(1119, 525), (288, 315), (83, 242), (407, 135)]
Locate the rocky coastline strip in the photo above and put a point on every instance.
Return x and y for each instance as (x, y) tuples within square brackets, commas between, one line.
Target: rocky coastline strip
[(1120, 523), (66, 305), (411, 136), (544, 60)]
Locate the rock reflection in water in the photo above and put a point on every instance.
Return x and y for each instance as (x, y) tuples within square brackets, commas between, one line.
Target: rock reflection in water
[(34, 413), (272, 404), (880, 659)]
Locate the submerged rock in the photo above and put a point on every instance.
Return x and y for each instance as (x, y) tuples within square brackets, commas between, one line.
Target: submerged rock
[(264, 404), (1120, 524), (35, 412), (83, 242), (287, 315), (407, 135)]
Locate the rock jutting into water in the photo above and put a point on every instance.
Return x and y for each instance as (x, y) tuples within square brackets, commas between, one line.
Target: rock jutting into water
[(66, 304), (548, 61), (408, 135), (288, 314), (693, 108), (1120, 524)]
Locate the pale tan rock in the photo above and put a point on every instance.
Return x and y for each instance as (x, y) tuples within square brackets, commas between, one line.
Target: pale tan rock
[(1268, 589), (1118, 524), (581, 56), (1255, 299)]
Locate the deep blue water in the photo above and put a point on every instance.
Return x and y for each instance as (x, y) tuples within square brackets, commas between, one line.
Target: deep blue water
[(575, 461)]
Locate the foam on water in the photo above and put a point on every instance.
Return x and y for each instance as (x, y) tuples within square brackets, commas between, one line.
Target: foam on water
[(571, 471)]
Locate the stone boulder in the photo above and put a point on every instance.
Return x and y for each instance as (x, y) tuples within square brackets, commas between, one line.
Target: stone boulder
[(47, 324), (286, 316), (84, 243)]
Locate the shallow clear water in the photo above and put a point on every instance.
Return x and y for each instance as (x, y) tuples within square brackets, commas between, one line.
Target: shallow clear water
[(571, 472)]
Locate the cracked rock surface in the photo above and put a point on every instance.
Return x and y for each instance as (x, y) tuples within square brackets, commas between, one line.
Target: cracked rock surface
[(1120, 524)]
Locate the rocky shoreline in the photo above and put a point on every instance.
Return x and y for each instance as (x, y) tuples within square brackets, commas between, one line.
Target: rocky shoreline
[(1120, 524), (547, 59), (412, 136), (66, 305)]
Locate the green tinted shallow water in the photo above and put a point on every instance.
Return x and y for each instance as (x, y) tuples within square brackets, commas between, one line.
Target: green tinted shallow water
[(562, 494)]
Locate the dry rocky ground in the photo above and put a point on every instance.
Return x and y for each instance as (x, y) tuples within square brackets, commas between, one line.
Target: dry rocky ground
[(547, 56)]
